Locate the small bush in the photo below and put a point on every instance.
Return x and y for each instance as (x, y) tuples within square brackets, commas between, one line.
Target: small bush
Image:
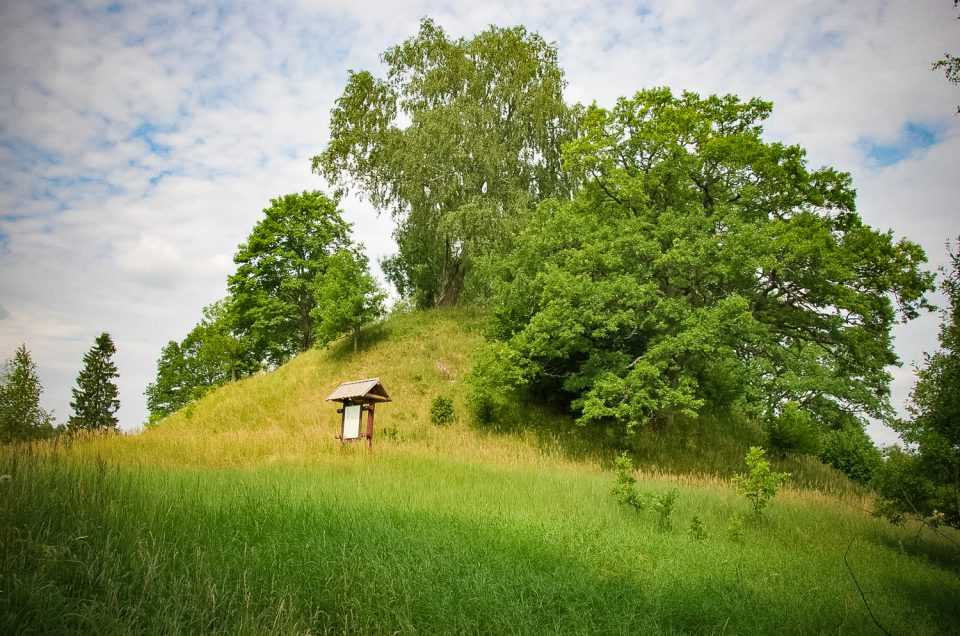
[(793, 431), (852, 453), (762, 483), (906, 490), (663, 505), (492, 383), (697, 529), (441, 411), (624, 485), (736, 528), (625, 492)]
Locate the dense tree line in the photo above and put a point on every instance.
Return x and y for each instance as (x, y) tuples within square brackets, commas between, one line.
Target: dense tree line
[(644, 261), (300, 282)]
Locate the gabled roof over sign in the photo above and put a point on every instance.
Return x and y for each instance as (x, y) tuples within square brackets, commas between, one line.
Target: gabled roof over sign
[(370, 389)]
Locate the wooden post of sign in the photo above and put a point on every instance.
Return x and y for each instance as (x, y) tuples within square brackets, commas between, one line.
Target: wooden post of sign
[(370, 425)]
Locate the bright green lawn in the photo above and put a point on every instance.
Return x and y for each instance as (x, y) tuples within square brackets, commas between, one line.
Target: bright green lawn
[(242, 514), (388, 542)]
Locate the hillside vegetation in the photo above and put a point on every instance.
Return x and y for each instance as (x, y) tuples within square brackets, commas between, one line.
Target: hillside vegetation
[(243, 514)]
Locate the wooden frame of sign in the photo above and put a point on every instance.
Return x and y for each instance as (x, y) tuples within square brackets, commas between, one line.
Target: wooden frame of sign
[(358, 397)]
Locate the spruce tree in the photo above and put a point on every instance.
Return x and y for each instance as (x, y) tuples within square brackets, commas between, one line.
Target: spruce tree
[(95, 401), (21, 417)]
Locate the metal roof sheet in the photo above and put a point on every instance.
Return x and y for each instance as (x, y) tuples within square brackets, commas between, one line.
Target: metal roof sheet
[(360, 388)]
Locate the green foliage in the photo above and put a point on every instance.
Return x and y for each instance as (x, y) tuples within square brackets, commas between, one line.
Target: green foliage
[(209, 356), (698, 530), (924, 479), (347, 297), (626, 493), (278, 269), (700, 265), (457, 141), (793, 430), (21, 417), (950, 64), (299, 281), (663, 505), (625, 484), (761, 484), (441, 411), (736, 528), (852, 452), (445, 546), (95, 402), (905, 489)]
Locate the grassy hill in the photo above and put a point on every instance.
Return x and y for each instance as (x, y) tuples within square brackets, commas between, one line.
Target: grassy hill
[(244, 514)]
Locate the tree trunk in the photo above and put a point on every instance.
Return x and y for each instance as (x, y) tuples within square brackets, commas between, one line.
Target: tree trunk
[(451, 280)]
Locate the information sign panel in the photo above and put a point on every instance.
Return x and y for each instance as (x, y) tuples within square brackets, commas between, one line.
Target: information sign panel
[(351, 421)]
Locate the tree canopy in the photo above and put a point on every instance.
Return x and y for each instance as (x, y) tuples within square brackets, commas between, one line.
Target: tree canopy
[(923, 480), (699, 264), (209, 356), (278, 267), (457, 141), (950, 63), (95, 398), (347, 297), (21, 416), (299, 281)]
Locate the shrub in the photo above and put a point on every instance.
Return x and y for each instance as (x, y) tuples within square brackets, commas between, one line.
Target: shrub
[(697, 529), (625, 492), (852, 453), (624, 485), (493, 385), (906, 490), (663, 505), (793, 431), (736, 528), (762, 483), (441, 411)]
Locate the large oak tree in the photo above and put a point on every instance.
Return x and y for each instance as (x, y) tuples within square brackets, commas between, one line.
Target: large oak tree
[(700, 265)]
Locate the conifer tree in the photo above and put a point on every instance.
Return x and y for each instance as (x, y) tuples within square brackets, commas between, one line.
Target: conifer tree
[(21, 417), (95, 401)]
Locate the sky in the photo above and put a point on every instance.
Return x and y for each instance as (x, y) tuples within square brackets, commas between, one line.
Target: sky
[(140, 141)]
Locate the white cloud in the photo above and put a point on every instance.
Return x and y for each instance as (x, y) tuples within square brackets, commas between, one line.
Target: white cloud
[(100, 232)]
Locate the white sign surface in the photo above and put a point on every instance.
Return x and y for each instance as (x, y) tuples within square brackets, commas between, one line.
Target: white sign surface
[(351, 422)]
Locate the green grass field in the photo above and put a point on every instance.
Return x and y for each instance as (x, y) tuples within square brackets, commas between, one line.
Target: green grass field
[(245, 515)]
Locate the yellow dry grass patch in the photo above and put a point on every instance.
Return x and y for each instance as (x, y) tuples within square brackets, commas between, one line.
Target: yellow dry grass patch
[(282, 418)]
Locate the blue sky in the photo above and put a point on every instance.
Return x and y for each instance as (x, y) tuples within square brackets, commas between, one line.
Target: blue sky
[(914, 137), (139, 142)]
